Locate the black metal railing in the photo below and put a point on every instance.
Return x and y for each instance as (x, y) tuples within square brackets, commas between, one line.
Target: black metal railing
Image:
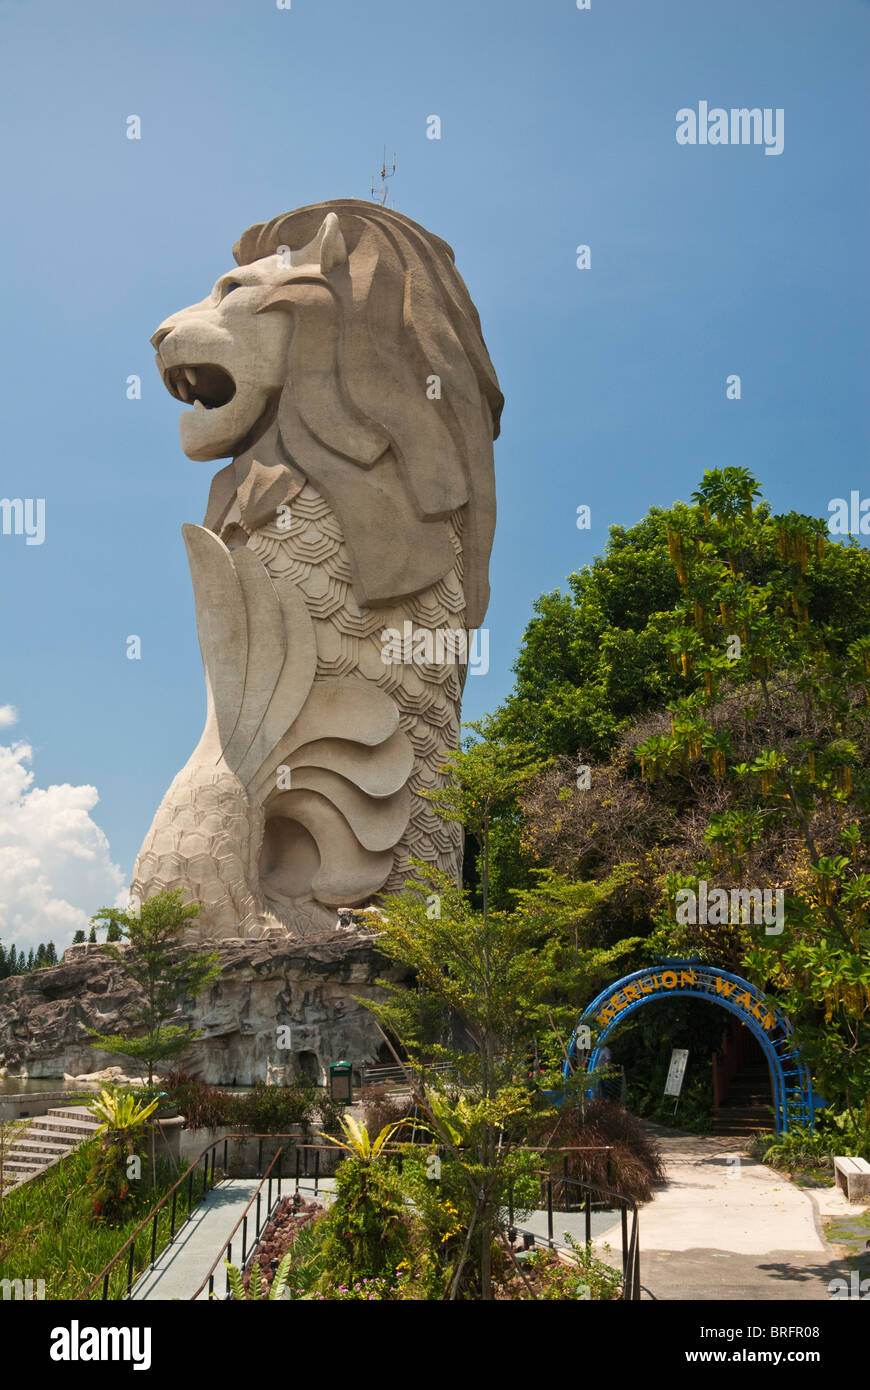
[(195, 1188), (260, 1221), (589, 1195)]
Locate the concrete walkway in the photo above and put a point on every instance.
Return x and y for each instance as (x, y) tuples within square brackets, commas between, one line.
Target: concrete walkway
[(182, 1266), (725, 1226)]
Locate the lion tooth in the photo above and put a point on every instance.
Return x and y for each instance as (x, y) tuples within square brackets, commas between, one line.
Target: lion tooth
[(198, 405), (191, 375), (181, 387)]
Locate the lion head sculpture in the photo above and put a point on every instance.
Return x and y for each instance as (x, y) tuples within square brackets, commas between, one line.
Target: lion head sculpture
[(346, 348), (342, 369)]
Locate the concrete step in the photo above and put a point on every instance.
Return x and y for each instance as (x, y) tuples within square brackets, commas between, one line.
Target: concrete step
[(73, 1112), (48, 1147), (47, 1139), (60, 1125)]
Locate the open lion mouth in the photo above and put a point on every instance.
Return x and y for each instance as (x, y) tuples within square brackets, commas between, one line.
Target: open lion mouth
[(203, 385)]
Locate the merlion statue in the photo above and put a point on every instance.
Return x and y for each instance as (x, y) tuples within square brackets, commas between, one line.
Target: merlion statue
[(342, 369)]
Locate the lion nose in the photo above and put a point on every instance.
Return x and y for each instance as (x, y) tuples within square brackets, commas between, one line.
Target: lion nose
[(162, 333)]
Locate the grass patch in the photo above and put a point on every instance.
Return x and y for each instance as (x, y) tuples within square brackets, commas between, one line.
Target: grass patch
[(47, 1230)]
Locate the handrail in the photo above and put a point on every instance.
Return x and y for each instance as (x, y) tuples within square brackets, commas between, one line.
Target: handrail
[(228, 1244), (187, 1174), (152, 1216), (630, 1245), (630, 1251)]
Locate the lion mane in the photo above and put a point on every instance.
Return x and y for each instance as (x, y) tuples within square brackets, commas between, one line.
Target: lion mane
[(355, 415)]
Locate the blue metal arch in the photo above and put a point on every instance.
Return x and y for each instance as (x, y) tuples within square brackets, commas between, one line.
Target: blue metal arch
[(795, 1102)]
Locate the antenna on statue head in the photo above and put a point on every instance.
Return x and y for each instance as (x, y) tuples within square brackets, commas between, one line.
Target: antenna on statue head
[(382, 194)]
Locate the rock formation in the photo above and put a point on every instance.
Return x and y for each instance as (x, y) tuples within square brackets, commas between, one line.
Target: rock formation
[(264, 986)]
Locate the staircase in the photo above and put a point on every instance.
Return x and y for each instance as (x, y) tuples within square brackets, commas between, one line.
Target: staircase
[(47, 1138), (749, 1105)]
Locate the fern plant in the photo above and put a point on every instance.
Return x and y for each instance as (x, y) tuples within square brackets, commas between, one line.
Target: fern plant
[(256, 1290)]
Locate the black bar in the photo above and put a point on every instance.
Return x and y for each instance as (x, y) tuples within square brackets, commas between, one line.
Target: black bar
[(189, 1192), (226, 1141), (244, 1238), (297, 1169), (172, 1224), (210, 1285), (550, 1212), (624, 1217), (269, 1189), (510, 1200), (229, 1261), (588, 1215), (154, 1239), (259, 1194), (130, 1267), (106, 1286), (316, 1169), (281, 1151), (204, 1176), (609, 1156), (213, 1157), (260, 1158)]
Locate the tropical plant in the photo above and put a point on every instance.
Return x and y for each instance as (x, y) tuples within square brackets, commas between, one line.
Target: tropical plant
[(256, 1290), (121, 1113), (366, 1232), (357, 1141), (118, 1156)]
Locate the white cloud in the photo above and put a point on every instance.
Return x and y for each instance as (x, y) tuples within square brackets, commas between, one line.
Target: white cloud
[(8, 716), (56, 867)]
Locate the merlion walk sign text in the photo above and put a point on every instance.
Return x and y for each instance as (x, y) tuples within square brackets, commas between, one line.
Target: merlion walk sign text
[(794, 1100), (341, 368)]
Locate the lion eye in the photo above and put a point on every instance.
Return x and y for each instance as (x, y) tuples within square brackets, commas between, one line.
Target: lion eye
[(229, 287)]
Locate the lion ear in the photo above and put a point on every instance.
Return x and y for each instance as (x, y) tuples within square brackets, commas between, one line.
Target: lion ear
[(326, 251)]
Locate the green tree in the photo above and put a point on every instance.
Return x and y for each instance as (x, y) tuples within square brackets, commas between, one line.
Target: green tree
[(78, 938), (166, 971), (593, 658), (506, 984), (749, 615)]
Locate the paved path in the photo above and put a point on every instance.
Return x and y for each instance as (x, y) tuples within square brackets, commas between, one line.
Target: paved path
[(182, 1266), (726, 1226)]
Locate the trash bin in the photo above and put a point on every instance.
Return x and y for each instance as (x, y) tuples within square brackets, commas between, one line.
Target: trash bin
[(341, 1081)]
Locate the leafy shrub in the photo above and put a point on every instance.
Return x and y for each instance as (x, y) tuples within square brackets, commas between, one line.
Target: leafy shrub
[(584, 1277), (203, 1106), (634, 1165), (799, 1148), (273, 1109), (330, 1112), (383, 1107), (366, 1230), (263, 1110)]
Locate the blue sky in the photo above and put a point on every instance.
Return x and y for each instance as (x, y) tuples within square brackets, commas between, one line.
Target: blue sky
[(558, 128)]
